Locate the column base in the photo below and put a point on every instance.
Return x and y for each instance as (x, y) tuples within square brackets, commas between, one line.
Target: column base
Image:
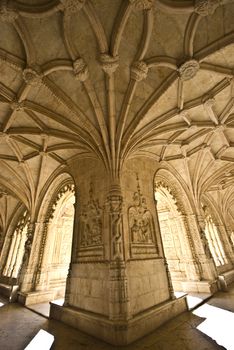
[(35, 297), (119, 332)]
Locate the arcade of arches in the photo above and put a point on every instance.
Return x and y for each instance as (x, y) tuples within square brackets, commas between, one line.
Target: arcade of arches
[(116, 158)]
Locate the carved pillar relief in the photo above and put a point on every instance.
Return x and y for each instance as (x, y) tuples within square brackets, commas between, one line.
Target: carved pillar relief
[(43, 266), (115, 210), (90, 245), (141, 227)]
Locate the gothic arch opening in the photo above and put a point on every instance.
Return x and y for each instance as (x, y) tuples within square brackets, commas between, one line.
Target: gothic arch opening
[(55, 251), (172, 233), (215, 243), (13, 263)]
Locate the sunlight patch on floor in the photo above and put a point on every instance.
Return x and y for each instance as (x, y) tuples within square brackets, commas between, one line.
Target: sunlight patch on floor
[(218, 325), (42, 340)]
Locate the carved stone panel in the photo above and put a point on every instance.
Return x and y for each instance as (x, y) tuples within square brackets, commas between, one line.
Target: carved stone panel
[(91, 229), (141, 227)]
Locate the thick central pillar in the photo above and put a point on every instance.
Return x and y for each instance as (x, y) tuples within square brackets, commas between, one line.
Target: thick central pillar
[(118, 287)]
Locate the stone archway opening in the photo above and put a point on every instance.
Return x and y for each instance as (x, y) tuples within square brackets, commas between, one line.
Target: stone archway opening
[(58, 254), (55, 251), (214, 241), (12, 264), (172, 234)]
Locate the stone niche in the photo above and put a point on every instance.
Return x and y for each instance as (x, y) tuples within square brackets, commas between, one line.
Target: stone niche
[(118, 287)]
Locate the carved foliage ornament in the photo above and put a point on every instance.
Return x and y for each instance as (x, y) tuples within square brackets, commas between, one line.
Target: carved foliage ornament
[(139, 70), (206, 7), (91, 222), (17, 106), (32, 76), (72, 6), (188, 70), (8, 11), (142, 4), (109, 63), (80, 69)]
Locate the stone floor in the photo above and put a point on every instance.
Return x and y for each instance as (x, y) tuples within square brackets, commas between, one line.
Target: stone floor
[(193, 330)]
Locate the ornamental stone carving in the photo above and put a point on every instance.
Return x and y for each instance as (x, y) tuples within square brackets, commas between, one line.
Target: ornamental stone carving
[(66, 188), (140, 219), (115, 203), (139, 70), (8, 11), (17, 106), (206, 7), (109, 63), (91, 222), (188, 70), (209, 103), (3, 192), (71, 6), (32, 76), (80, 69), (142, 4)]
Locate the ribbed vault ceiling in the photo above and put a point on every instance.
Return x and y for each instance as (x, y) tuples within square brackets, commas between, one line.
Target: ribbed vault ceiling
[(114, 79)]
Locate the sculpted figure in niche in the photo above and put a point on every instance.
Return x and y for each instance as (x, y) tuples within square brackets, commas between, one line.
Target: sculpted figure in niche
[(140, 220), (91, 223)]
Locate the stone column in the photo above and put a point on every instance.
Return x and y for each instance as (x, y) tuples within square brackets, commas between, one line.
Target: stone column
[(118, 286)]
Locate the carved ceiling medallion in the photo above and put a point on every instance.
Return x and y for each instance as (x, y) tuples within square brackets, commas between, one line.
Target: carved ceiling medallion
[(72, 6), (80, 69), (142, 4), (139, 70), (8, 12), (32, 76), (188, 70), (206, 7), (109, 63)]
